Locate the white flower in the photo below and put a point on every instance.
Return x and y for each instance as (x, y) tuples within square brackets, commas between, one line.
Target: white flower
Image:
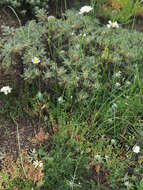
[(98, 158), (33, 151), (117, 84), (106, 157), (35, 60), (37, 163), (128, 83), (127, 183), (115, 25), (60, 99), (112, 24), (6, 90), (113, 141), (85, 9), (136, 149), (118, 75)]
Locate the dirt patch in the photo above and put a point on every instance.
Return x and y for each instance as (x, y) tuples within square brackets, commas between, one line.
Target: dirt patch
[(7, 19), (27, 130)]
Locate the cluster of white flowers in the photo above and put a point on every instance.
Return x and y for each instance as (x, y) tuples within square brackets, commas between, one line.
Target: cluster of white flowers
[(85, 9), (35, 60), (37, 163), (6, 90), (112, 24)]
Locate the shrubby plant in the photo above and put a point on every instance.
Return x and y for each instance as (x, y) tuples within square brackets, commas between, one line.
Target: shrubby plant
[(66, 167), (74, 48)]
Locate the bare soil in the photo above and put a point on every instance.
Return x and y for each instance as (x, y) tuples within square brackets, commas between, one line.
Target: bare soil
[(27, 130), (7, 19)]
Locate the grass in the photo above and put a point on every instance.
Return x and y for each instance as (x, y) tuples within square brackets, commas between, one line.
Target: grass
[(90, 113)]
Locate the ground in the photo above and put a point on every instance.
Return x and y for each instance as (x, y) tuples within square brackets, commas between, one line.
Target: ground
[(7, 18)]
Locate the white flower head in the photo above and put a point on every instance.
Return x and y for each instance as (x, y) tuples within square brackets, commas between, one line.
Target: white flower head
[(109, 24), (112, 24), (6, 90), (35, 60), (33, 151), (106, 157), (98, 158), (128, 83), (113, 141), (85, 9), (60, 100), (115, 25), (126, 183), (117, 84), (136, 149), (37, 163), (118, 74)]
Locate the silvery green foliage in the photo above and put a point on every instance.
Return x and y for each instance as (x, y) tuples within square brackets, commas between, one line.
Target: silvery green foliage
[(24, 5), (71, 51)]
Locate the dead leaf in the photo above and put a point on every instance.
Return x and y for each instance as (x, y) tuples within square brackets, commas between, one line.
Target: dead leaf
[(41, 136)]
